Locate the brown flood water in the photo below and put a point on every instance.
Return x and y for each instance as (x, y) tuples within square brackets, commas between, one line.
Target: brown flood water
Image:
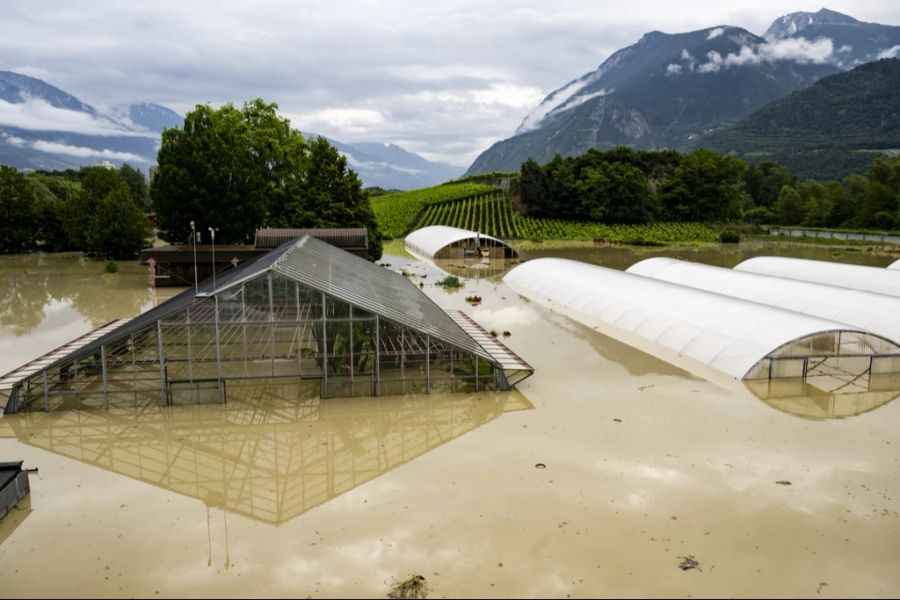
[(278, 493)]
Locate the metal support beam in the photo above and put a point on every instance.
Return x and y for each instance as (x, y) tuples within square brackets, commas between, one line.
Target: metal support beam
[(377, 356), (272, 323), (46, 391), (218, 350), (476, 372), (427, 364), (105, 373), (324, 347), (162, 364)]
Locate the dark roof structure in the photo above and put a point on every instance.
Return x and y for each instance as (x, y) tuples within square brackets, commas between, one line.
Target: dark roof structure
[(352, 239)]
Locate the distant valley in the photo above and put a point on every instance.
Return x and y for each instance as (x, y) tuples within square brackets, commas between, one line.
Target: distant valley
[(44, 127)]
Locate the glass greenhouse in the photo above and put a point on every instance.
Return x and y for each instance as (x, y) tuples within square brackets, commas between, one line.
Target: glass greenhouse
[(854, 277), (441, 242), (877, 313), (306, 310), (744, 340)]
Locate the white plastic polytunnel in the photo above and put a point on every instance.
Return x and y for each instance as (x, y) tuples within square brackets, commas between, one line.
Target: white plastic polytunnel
[(895, 265), (742, 339), (439, 241), (854, 277), (877, 313)]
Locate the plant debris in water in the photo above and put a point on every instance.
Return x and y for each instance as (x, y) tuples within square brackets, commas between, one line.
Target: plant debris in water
[(413, 586), (473, 299), (450, 281), (689, 562)]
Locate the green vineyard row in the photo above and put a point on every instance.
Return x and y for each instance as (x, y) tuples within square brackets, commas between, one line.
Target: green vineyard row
[(397, 213), (493, 214)]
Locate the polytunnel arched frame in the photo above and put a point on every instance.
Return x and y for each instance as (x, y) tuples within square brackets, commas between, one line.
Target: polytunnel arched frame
[(742, 339), (442, 242)]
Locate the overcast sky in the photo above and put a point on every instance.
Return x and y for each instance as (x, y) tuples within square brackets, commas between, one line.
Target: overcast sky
[(444, 79)]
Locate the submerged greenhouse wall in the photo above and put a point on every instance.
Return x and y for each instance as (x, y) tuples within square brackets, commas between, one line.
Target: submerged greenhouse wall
[(307, 311), (742, 339)]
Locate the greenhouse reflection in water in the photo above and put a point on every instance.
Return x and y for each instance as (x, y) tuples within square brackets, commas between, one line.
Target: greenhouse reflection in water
[(273, 451), (801, 398)]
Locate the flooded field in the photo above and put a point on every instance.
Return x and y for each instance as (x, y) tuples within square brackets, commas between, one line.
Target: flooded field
[(607, 473)]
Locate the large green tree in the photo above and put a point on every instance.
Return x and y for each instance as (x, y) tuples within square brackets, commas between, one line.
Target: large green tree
[(137, 183), (240, 169), (327, 195), (616, 192), (225, 168), (704, 188), (17, 211), (103, 219)]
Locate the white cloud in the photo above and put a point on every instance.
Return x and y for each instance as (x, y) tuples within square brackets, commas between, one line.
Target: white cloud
[(673, 69), (13, 140), (37, 115), (844, 49), (715, 33), (713, 62), (533, 119), (799, 50), (346, 119), (82, 152), (890, 52), (516, 96)]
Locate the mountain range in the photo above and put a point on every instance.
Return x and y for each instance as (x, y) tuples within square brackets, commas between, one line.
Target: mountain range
[(673, 90), (44, 127), (826, 131)]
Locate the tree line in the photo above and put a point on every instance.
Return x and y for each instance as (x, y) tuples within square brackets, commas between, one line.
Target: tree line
[(233, 169), (622, 185), (96, 210)]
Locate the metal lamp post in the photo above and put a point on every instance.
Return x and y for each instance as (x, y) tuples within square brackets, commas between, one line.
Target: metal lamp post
[(212, 234), (194, 241)]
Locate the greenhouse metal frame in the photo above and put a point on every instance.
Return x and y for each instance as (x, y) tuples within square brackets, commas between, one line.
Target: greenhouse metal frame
[(307, 310)]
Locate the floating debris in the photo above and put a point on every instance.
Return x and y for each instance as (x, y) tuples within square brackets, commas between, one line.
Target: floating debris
[(413, 586), (689, 562), (506, 334), (473, 299), (540, 466), (783, 482)]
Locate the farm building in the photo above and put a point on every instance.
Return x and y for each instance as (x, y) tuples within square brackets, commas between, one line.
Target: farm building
[(306, 310), (699, 329)]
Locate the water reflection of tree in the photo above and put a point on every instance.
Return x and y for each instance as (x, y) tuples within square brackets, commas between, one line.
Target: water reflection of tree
[(31, 281)]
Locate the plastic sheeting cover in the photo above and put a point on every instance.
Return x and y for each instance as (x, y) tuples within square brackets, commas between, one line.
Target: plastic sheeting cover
[(877, 313), (895, 265), (426, 242), (728, 334), (854, 277)]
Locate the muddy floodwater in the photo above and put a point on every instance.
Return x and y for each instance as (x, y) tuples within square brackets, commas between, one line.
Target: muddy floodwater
[(608, 473)]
